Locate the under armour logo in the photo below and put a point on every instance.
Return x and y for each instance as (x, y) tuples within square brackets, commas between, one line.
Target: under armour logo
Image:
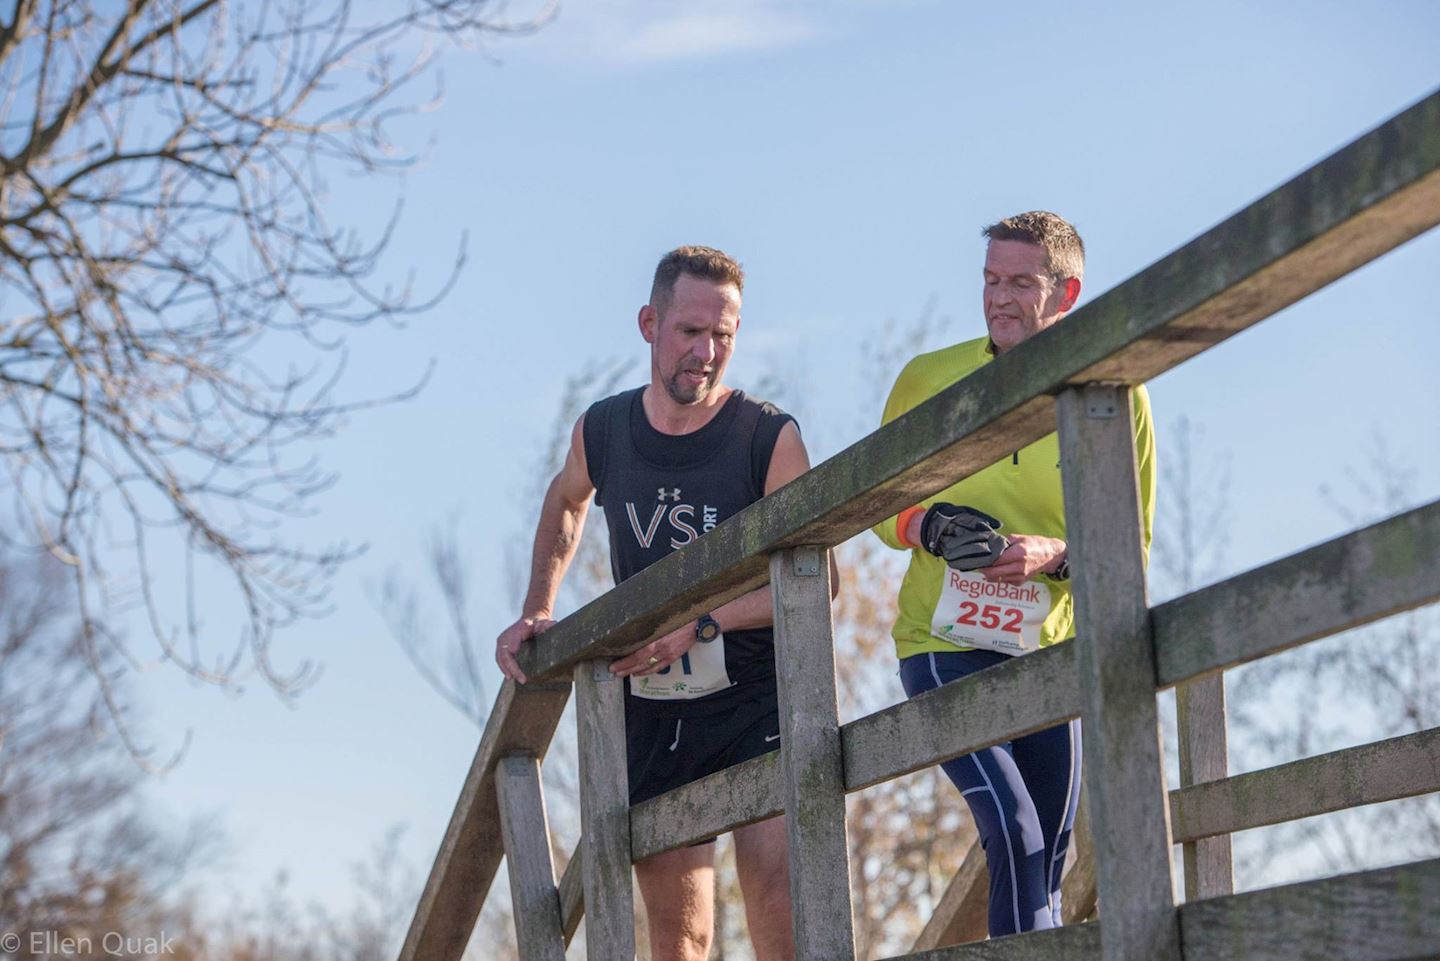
[(673, 495)]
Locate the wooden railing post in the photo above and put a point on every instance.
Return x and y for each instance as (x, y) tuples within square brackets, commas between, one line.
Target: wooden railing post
[(604, 813), (1204, 756), (1124, 775), (534, 899), (812, 765)]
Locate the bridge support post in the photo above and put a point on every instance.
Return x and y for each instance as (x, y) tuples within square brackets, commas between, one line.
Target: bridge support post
[(812, 766), (604, 813), (1204, 756), (539, 934), (1130, 817)]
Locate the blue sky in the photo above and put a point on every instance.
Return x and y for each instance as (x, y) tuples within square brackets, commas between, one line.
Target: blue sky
[(848, 153)]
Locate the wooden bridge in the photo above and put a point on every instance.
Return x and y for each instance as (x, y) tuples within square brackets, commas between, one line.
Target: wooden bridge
[(1369, 197)]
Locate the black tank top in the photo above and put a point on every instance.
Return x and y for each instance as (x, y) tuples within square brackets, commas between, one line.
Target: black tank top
[(662, 491)]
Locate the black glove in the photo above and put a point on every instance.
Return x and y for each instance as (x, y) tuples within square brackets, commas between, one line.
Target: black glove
[(967, 539)]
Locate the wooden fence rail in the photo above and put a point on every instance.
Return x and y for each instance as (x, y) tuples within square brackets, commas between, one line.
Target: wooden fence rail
[(1367, 198)]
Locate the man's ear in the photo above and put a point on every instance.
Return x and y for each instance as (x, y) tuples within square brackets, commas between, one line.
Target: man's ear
[(649, 320), (1071, 293)]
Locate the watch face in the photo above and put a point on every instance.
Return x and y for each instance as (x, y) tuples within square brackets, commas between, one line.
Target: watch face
[(707, 629)]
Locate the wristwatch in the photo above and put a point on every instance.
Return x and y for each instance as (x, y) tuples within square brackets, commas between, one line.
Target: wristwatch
[(706, 629)]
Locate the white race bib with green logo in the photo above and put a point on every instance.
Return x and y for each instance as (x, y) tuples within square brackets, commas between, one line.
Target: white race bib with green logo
[(698, 672)]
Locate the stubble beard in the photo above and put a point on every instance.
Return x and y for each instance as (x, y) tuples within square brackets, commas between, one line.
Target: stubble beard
[(685, 396)]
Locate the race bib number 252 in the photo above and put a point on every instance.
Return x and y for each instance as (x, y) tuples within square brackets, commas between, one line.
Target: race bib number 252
[(988, 615)]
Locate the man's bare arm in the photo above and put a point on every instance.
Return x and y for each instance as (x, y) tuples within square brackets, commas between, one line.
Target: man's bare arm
[(557, 535)]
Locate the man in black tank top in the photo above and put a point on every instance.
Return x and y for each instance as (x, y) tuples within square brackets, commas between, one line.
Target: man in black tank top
[(668, 462)]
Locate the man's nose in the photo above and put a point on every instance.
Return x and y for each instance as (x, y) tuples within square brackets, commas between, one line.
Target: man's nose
[(704, 349)]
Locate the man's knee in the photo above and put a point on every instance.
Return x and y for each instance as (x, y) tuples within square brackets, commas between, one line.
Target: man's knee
[(762, 858), (768, 873), (676, 938), (678, 890), (762, 852)]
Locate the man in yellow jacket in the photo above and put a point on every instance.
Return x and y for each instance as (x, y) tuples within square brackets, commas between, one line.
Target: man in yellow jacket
[(989, 574)]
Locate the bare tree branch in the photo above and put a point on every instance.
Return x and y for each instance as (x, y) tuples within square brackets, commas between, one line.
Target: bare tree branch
[(167, 246)]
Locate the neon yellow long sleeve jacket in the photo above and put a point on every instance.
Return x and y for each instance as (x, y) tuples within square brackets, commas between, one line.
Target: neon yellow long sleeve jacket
[(1022, 490)]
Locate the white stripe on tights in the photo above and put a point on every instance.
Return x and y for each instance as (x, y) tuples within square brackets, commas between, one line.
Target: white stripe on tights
[(1064, 813), (999, 812)]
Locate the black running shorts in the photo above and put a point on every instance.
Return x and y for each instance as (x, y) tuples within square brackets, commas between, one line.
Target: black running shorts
[(666, 752)]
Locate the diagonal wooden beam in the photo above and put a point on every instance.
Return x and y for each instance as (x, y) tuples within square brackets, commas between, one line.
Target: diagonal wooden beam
[(522, 722), (961, 914)]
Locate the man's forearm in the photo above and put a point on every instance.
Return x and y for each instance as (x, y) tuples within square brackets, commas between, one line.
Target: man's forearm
[(557, 537), (755, 609)]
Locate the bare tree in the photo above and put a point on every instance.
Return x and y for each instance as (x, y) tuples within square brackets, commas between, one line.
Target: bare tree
[(1193, 533), (177, 290), (455, 662), (1370, 683), (79, 854), (451, 665), (84, 857), (1192, 537), (1375, 682), (274, 926)]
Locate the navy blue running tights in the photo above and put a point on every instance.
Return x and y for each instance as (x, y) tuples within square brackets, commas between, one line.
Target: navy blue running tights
[(1023, 795)]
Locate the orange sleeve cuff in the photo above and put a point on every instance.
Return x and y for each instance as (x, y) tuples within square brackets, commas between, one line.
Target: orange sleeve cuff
[(902, 524)]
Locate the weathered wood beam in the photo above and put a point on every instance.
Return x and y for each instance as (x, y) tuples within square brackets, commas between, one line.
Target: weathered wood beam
[(1080, 942), (961, 915), (1077, 890), (604, 813), (572, 894), (1124, 773), (1018, 697), (1358, 577), (812, 773), (1388, 770), (1204, 756), (723, 801), (1022, 695), (1386, 915), (535, 903), (522, 722), (1362, 201)]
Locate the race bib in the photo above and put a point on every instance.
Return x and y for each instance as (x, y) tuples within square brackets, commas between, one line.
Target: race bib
[(974, 612), (700, 671)]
